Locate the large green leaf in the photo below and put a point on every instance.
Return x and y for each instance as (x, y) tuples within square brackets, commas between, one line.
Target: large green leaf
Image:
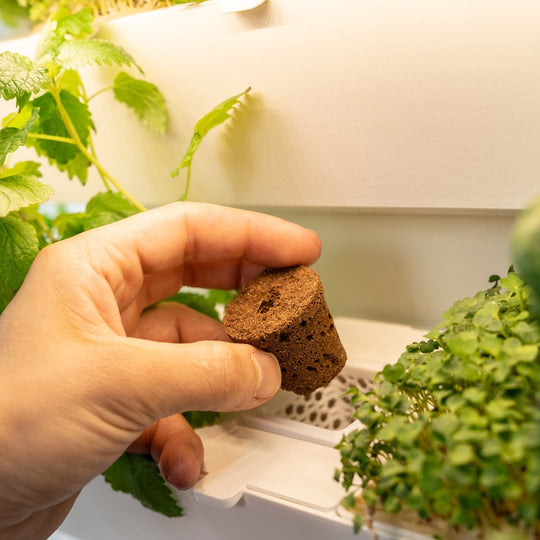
[(19, 75), (18, 191), (19, 246), (144, 99), (77, 53), (16, 133), (138, 475), (51, 123)]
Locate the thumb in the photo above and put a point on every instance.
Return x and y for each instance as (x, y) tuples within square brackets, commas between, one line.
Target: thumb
[(154, 379)]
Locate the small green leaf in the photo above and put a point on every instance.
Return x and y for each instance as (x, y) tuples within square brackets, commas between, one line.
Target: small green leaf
[(78, 53), (19, 191), (19, 246), (18, 75), (145, 99), (498, 409), (394, 372), (445, 425), (68, 225), (474, 395), (461, 454), (77, 25), (15, 135), (63, 24), (138, 475), (215, 117), (105, 208), (463, 344)]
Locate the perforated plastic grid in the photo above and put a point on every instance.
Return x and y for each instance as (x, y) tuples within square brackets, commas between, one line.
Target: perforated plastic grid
[(327, 407)]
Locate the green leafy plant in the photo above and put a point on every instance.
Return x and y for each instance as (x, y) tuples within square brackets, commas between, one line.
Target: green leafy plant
[(52, 115), (451, 431), (38, 11)]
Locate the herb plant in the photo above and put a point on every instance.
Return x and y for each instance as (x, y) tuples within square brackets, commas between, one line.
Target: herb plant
[(451, 431), (38, 11), (52, 115)]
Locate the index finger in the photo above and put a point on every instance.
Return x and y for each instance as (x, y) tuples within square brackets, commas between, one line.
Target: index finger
[(177, 233)]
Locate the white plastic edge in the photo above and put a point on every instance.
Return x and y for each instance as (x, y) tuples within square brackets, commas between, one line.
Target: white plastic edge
[(233, 6)]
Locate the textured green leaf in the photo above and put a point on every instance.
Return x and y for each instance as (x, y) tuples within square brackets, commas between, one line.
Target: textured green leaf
[(144, 99), (63, 23), (51, 123), (19, 191), (76, 167), (215, 117), (138, 475), (6, 294), (68, 225), (19, 246), (15, 135), (19, 75), (77, 25), (77, 53), (105, 208)]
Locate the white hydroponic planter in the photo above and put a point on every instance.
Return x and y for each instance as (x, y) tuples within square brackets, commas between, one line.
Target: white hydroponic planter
[(269, 472)]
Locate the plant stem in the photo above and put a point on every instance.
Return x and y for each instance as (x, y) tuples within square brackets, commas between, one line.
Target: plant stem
[(56, 138), (88, 155), (188, 178), (103, 90)]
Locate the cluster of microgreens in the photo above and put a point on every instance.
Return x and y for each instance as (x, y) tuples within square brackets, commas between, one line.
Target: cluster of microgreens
[(52, 115), (452, 430)]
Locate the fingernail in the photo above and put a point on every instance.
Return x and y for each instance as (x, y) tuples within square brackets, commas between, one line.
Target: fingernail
[(269, 374)]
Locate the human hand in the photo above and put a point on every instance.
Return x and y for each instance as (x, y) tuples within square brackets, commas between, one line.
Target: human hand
[(87, 372)]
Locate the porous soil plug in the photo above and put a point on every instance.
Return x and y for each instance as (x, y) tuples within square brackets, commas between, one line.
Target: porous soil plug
[(283, 311)]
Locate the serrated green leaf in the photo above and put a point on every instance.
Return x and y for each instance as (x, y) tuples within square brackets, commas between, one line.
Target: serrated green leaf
[(68, 225), (138, 475), (19, 191), (215, 117), (25, 168), (144, 99), (105, 208), (19, 246), (63, 23), (50, 123), (6, 294), (77, 25), (15, 135), (76, 167), (78, 53), (19, 75)]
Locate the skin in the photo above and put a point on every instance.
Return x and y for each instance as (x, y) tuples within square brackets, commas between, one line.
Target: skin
[(87, 372)]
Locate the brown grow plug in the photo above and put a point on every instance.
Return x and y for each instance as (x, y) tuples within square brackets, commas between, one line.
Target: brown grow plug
[(283, 311)]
